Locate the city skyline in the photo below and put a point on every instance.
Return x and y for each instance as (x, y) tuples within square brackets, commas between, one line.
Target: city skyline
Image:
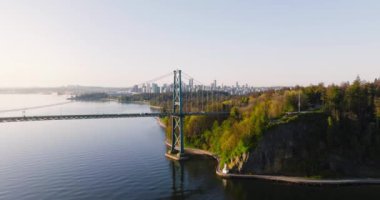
[(190, 86), (118, 44)]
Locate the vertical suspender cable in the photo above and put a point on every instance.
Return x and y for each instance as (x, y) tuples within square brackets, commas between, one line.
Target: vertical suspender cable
[(201, 98), (197, 96), (212, 100), (206, 99)]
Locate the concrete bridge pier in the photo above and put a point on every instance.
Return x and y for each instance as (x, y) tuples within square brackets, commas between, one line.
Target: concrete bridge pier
[(176, 156)]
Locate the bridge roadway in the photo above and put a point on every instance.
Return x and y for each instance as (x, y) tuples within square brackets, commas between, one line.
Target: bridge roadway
[(98, 116)]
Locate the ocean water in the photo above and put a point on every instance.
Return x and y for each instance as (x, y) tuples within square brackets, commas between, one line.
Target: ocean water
[(117, 159)]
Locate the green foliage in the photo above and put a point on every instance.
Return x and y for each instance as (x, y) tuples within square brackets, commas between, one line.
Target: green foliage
[(230, 137), (235, 114), (91, 97), (354, 101), (314, 94), (349, 112), (334, 101), (244, 100), (291, 100)]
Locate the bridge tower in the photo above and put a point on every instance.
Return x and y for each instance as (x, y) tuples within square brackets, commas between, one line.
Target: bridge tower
[(177, 120)]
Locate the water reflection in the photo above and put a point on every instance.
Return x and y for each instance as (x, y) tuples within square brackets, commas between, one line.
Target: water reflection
[(120, 159), (257, 189), (177, 185), (195, 179)]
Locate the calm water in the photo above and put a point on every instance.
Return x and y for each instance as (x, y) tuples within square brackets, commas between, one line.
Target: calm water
[(117, 159)]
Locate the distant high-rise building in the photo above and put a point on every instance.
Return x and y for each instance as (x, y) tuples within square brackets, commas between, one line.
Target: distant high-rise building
[(135, 88), (191, 84), (155, 88), (164, 88), (148, 88), (144, 89)]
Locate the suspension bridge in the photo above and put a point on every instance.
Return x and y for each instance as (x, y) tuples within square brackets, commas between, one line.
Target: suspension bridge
[(187, 100)]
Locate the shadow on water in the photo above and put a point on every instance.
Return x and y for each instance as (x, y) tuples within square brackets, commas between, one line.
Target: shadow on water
[(196, 179), (179, 191), (257, 189)]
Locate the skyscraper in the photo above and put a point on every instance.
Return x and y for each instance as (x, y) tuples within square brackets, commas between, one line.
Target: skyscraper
[(155, 88), (191, 84), (213, 85)]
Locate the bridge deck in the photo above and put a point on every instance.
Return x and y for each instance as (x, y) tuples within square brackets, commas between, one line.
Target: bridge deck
[(98, 116)]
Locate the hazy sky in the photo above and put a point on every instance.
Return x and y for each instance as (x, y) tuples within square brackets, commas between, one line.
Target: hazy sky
[(118, 43)]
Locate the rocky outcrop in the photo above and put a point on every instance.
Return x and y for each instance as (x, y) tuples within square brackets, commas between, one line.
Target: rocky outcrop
[(300, 148)]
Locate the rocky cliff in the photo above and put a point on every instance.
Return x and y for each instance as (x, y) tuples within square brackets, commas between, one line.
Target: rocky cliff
[(302, 148)]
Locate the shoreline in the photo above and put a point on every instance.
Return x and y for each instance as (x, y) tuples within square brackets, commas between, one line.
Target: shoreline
[(283, 179), (160, 123)]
